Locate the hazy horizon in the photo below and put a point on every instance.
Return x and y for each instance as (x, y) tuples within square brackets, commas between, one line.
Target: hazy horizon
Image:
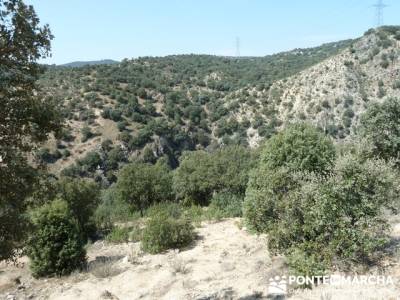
[(85, 31)]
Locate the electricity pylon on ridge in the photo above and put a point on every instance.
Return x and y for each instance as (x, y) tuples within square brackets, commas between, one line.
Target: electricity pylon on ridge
[(237, 46), (379, 6)]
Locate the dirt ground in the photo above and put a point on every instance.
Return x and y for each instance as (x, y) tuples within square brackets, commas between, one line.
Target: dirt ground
[(225, 262)]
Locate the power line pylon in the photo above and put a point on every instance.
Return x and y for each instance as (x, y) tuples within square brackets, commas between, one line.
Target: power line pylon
[(237, 46), (379, 6)]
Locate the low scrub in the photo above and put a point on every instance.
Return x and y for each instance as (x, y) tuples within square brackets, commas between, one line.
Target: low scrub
[(118, 235), (167, 228), (226, 205)]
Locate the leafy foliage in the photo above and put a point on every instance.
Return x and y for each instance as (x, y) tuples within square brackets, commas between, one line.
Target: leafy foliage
[(226, 205), (166, 229), (140, 185), (318, 212), (56, 246), (25, 117), (337, 221), (82, 198), (118, 235), (380, 124), (300, 147), (200, 174)]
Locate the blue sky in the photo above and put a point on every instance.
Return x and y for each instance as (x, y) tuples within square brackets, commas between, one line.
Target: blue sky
[(99, 29)]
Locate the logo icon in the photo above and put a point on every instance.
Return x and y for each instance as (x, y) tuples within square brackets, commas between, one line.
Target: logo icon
[(277, 286)]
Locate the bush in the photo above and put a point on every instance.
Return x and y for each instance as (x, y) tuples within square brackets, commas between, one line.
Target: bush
[(91, 161), (82, 198), (300, 147), (118, 235), (382, 118), (226, 205), (338, 221), (324, 221), (111, 210), (56, 246), (86, 134), (200, 174), (141, 185), (266, 189), (164, 231)]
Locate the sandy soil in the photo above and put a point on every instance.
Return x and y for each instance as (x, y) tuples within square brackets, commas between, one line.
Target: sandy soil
[(225, 262)]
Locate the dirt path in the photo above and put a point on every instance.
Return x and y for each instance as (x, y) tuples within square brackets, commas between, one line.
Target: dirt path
[(225, 262)]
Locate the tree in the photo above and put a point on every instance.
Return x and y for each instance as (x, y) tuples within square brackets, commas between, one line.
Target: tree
[(337, 221), (201, 174), (56, 246), (25, 118), (82, 197), (142, 184), (380, 124), (318, 211), (298, 148)]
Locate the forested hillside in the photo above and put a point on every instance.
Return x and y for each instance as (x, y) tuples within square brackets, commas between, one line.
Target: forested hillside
[(154, 107)]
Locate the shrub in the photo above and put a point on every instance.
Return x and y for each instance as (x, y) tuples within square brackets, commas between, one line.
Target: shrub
[(118, 235), (300, 147), (91, 161), (396, 85), (266, 189), (86, 133), (82, 198), (382, 118), (200, 174), (140, 185), (329, 220), (227, 205), (111, 210), (56, 246), (337, 221), (164, 232)]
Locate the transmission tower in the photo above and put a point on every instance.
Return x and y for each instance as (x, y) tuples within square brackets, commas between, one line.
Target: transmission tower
[(379, 6), (237, 46)]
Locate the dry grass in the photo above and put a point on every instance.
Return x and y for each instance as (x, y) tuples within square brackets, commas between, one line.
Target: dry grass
[(179, 265)]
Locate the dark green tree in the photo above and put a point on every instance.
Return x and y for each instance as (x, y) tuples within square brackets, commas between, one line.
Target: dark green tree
[(142, 184), (82, 197), (55, 246), (298, 148), (25, 118), (380, 124), (201, 174)]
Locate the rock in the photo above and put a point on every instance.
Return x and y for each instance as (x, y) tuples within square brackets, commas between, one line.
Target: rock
[(11, 297), (108, 295), (17, 280), (225, 294)]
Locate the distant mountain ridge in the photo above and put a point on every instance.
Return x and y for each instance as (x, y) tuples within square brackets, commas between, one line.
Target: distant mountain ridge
[(77, 64)]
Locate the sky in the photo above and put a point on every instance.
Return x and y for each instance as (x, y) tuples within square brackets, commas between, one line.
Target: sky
[(99, 29)]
